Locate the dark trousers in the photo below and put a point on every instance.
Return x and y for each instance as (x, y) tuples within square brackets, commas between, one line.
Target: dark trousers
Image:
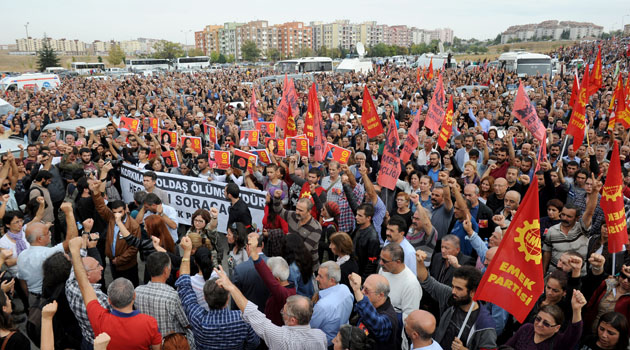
[(130, 274), (86, 345)]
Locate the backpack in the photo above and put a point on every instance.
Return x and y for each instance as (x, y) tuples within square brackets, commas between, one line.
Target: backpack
[(22, 197)]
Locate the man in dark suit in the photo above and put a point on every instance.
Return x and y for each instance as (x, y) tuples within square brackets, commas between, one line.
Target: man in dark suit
[(247, 279), (481, 212), (444, 263)]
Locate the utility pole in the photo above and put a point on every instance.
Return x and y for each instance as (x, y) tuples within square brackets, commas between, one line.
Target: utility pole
[(186, 39), (26, 26)]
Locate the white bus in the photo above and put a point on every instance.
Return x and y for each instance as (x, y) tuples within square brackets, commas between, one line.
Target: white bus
[(526, 63), (147, 64), (88, 68), (304, 65), (198, 62), (54, 69)]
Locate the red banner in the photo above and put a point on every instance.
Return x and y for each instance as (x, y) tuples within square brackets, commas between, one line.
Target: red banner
[(430, 70), (577, 123), (622, 109), (251, 136), (390, 163), (129, 124), (595, 79), (369, 117), (168, 138), (192, 142), (284, 117), (574, 90), (312, 111), (319, 136), (514, 278), (222, 159), (253, 106), (276, 146), (526, 114), (339, 154), (435, 114), (170, 159), (612, 205), (447, 126), (411, 143)]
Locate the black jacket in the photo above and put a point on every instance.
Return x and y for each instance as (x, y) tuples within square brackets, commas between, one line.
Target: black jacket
[(239, 212), (367, 248), (484, 215), (444, 274)]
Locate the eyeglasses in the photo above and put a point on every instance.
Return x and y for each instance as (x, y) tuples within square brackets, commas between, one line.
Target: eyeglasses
[(545, 324)]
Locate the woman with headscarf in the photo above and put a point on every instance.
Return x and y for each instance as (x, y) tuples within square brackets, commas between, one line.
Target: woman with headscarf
[(329, 220)]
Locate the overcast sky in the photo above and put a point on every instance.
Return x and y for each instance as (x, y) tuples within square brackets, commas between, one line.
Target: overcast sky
[(160, 19)]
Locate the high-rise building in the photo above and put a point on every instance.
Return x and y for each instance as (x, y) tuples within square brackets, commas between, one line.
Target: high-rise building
[(553, 30)]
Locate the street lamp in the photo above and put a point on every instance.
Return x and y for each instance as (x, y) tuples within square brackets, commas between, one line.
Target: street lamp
[(186, 39), (26, 26)]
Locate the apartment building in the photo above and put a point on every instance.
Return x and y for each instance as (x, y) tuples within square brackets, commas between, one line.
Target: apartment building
[(553, 30)]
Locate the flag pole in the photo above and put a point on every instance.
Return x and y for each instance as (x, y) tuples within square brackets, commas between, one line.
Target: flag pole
[(461, 330), (564, 146), (613, 263)]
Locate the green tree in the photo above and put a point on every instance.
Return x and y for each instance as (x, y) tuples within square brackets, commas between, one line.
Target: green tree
[(214, 57), (322, 51), (379, 50), (116, 55), (167, 49), (250, 51), (306, 52), (221, 58), (565, 34), (196, 52), (46, 57), (273, 54), (99, 59), (230, 58)]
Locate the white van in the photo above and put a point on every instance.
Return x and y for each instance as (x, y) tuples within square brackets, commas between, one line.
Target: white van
[(36, 81), (70, 126), (355, 65)]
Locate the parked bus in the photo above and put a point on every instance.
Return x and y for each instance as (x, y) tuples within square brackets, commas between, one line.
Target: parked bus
[(198, 62), (526, 63), (54, 69), (147, 64), (304, 65), (87, 68)]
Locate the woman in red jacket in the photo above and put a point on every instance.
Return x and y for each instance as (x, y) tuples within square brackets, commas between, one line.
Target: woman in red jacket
[(611, 295)]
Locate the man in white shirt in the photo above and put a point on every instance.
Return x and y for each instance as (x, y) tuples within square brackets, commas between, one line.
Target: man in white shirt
[(153, 206), (405, 292), (396, 229)]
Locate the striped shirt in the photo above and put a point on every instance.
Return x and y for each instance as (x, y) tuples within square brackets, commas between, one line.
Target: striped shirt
[(556, 242), (162, 302), (309, 232), (75, 300), (285, 337), (215, 329)]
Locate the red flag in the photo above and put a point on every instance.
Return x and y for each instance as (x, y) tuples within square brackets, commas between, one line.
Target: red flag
[(447, 126), (390, 163), (612, 205), (577, 123), (312, 111), (284, 115), (430, 70), (291, 129), (369, 117), (411, 143), (319, 135), (514, 278), (574, 90), (526, 114), (435, 114), (253, 106), (622, 109), (595, 79)]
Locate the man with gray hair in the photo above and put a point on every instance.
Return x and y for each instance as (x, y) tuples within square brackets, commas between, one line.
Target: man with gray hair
[(335, 301), (128, 328), (405, 289), (294, 334)]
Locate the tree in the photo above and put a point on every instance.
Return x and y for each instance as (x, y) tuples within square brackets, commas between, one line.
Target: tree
[(196, 52), (168, 50), (221, 58), (566, 34), (322, 51), (99, 59), (230, 58), (306, 52), (380, 50), (46, 57), (116, 55), (214, 57), (273, 54), (250, 51)]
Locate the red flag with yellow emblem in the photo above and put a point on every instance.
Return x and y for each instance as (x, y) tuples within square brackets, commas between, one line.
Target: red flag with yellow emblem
[(430, 70), (577, 123), (369, 116), (595, 79), (447, 125), (514, 278), (612, 205), (390, 163)]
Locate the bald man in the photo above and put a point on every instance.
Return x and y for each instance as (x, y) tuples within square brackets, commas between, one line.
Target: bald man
[(376, 313), (419, 327), (30, 261), (495, 200)]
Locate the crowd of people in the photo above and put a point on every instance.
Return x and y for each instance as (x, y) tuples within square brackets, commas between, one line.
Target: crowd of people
[(338, 261)]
